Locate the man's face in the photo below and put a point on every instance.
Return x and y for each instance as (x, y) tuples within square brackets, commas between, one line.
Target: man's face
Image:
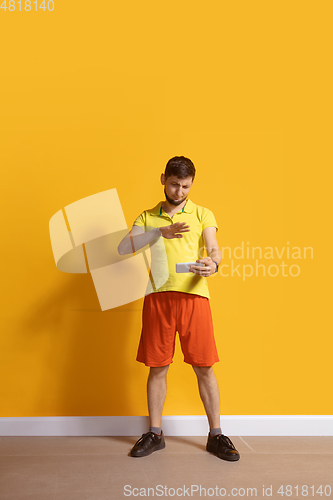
[(176, 190)]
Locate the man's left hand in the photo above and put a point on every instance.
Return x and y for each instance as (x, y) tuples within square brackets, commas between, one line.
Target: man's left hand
[(208, 270)]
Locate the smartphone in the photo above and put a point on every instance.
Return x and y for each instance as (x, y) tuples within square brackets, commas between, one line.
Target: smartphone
[(184, 267)]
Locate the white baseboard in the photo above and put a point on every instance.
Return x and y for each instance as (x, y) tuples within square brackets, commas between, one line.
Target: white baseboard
[(187, 425)]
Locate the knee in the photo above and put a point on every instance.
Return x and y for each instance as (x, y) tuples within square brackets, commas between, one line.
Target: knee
[(203, 371)]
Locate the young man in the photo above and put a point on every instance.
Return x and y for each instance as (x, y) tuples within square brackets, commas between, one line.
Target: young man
[(180, 304)]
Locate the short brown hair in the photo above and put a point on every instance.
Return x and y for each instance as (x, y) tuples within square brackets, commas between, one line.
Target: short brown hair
[(181, 167)]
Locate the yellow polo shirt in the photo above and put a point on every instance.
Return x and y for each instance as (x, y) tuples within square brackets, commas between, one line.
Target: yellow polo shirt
[(189, 248)]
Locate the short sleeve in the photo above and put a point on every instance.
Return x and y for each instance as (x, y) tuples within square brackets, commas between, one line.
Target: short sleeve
[(208, 220), (141, 220)]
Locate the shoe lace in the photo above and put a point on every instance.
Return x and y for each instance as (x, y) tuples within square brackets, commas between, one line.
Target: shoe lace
[(143, 437), (226, 441)]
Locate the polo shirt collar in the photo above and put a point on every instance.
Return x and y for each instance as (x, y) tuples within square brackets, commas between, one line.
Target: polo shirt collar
[(187, 208)]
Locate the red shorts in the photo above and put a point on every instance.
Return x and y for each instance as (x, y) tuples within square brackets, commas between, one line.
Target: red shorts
[(163, 314)]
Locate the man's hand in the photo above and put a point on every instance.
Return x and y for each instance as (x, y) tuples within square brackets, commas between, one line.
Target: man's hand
[(210, 267), (172, 231)]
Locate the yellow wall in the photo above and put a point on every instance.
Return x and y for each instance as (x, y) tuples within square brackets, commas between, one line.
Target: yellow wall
[(97, 96)]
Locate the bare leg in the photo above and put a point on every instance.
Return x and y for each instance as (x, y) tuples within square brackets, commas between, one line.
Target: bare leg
[(156, 394), (209, 393)]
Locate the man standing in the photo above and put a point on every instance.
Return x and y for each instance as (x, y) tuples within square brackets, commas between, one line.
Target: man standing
[(180, 304)]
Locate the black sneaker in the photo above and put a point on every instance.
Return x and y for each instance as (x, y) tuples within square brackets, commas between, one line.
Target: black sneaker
[(222, 447), (148, 443)]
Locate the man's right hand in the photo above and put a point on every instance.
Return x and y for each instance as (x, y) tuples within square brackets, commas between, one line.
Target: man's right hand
[(173, 230)]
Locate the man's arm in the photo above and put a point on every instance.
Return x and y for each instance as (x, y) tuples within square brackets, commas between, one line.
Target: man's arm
[(213, 252), (138, 238), (211, 244)]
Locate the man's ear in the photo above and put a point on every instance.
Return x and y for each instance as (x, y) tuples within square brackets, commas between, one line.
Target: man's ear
[(163, 179)]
